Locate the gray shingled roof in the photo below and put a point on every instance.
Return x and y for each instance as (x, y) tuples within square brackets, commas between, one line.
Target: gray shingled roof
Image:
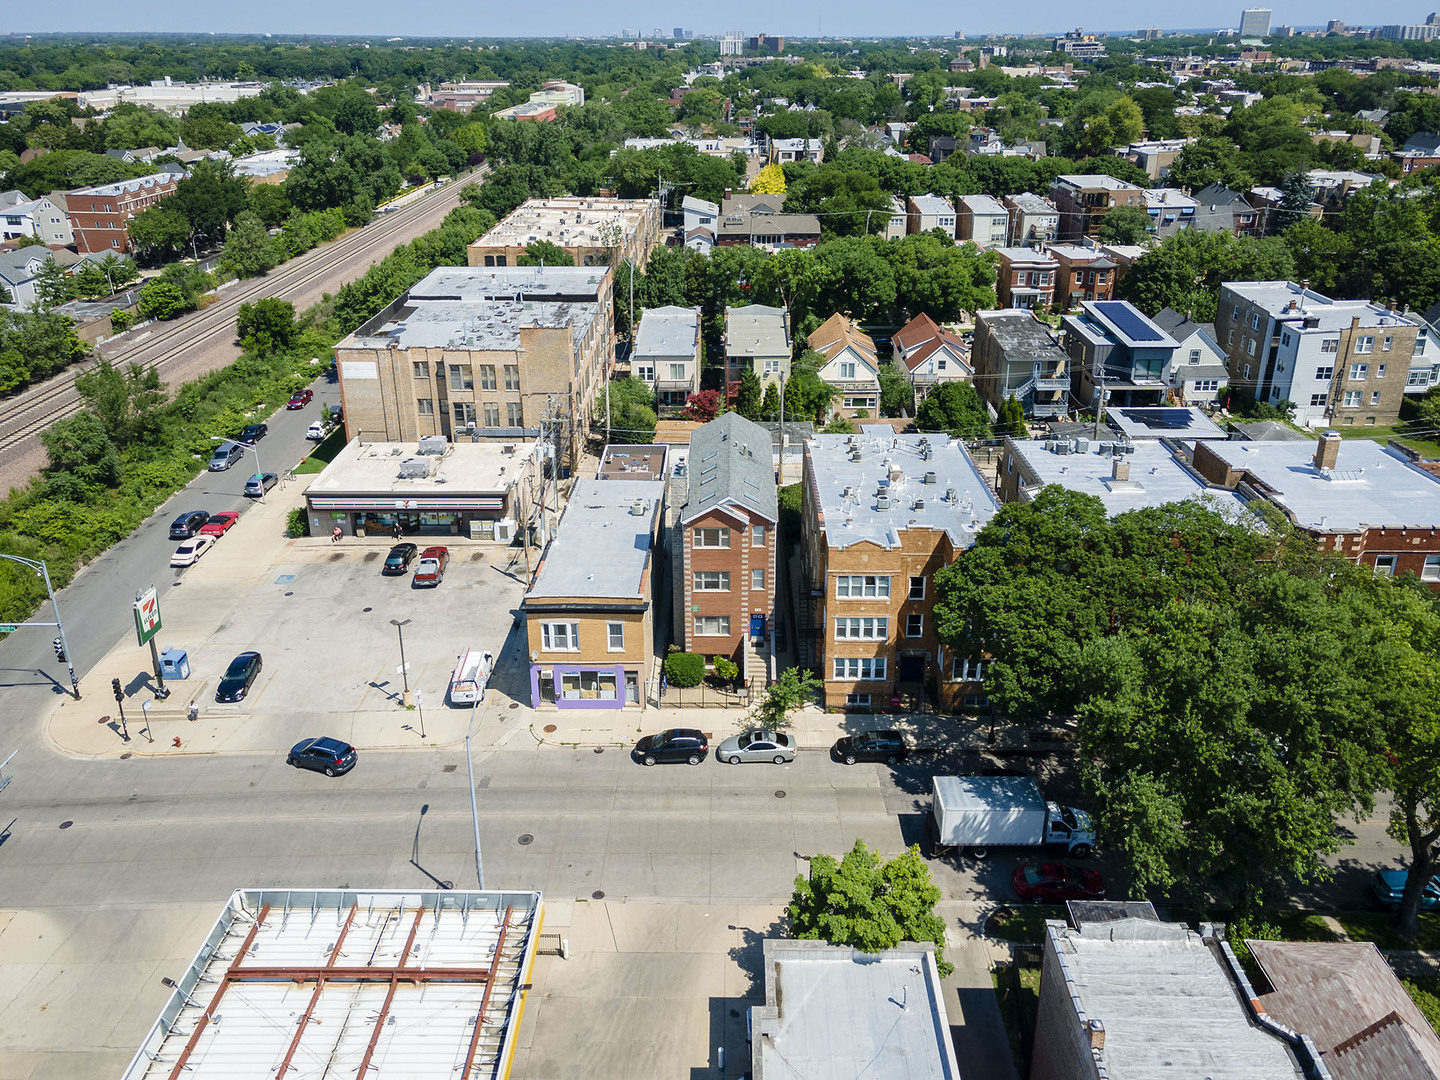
[(730, 462)]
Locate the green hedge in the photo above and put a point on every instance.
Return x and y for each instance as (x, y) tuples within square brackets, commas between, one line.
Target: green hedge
[(685, 669)]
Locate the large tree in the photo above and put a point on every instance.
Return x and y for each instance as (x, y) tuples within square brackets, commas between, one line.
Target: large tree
[(210, 198)]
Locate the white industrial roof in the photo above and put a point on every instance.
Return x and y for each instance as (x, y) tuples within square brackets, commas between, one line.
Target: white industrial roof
[(601, 550), (584, 283), (314, 984), (756, 330), (959, 501), (932, 204), (373, 467), (567, 222), (478, 325)]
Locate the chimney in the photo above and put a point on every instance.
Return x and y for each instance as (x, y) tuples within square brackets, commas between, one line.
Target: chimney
[(1120, 470), (1390, 306), (1097, 1035), (1327, 451)]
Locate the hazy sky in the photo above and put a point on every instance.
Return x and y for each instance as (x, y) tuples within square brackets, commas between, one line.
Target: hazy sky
[(585, 17)]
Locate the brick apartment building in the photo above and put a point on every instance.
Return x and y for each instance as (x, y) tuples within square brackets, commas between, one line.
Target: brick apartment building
[(1083, 201), (593, 232), (100, 216), (1025, 277), (1082, 274)]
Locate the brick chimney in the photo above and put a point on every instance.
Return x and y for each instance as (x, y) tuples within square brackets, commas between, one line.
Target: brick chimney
[(1120, 470), (1097, 1035), (1327, 451)]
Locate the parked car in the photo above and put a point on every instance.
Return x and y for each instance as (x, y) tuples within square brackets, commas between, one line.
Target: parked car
[(188, 553), (225, 455), (253, 433), (327, 755), (1388, 889), (757, 745), (316, 431), (887, 746), (1052, 882), (238, 678), (431, 569), (399, 559), (677, 744), (219, 524), (300, 399), (260, 483), (188, 524)]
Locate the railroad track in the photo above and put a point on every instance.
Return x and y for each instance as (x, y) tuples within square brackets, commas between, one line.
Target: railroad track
[(39, 408)]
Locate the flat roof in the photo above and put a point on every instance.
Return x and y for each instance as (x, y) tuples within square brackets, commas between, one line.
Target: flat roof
[(1169, 1006), (374, 468), (471, 325), (390, 981), (984, 204), (1030, 203), (960, 501), (668, 331), (528, 282), (1275, 297), (125, 187), (1097, 180), (1156, 477), (1020, 332), (932, 204), (1024, 255), (601, 549), (1370, 487), (1164, 422), (757, 330), (570, 222), (626, 462), (834, 1011)]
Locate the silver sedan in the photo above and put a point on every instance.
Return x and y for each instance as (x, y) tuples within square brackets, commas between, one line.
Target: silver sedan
[(757, 745)]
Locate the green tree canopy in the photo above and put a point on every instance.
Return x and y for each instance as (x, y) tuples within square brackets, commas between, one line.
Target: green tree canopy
[(955, 408), (1125, 225)]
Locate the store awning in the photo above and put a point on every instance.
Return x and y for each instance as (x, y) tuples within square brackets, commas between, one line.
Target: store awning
[(432, 504)]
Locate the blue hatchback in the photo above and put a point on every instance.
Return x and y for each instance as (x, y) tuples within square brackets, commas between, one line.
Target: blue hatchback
[(1388, 887)]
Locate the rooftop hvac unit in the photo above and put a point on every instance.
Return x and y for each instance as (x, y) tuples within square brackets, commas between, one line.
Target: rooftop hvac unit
[(896, 474), (1082, 446), (925, 453), (848, 493), (508, 448), (637, 508), (1106, 449), (855, 454), (433, 444), (930, 477), (919, 504), (414, 468), (1062, 448), (882, 502)]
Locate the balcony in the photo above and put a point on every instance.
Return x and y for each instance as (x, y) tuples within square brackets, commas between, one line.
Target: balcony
[(1052, 384)]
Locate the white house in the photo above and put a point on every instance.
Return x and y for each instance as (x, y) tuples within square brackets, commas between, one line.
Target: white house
[(667, 353), (18, 270), (1197, 373), (700, 223), (35, 217)]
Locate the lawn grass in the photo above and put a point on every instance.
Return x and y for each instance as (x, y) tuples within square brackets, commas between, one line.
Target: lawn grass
[(1428, 448), (1376, 926), (324, 452), (1023, 923), (1015, 1005), (1426, 995)]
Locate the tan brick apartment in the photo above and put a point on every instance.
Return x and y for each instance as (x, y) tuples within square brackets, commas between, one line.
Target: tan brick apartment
[(1083, 201), (593, 232), (590, 612), (488, 352), (880, 516), (100, 216), (725, 540)]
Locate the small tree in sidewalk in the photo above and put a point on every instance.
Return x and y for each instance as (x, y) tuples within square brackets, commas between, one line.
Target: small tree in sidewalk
[(795, 688)]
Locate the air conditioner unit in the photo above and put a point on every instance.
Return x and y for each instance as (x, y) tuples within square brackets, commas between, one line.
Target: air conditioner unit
[(882, 502)]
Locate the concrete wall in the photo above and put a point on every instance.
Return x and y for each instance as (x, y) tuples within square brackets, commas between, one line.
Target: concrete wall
[(1062, 1046)]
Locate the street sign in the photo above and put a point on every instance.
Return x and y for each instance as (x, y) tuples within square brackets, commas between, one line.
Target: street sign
[(8, 628), (147, 616)]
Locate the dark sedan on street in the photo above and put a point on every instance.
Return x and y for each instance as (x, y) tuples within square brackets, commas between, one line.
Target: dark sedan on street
[(886, 746), (250, 434), (399, 559), (327, 755), (677, 744), (238, 678)]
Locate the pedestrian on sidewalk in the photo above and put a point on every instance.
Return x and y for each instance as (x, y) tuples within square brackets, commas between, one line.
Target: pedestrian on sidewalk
[(335, 536), (395, 532), (192, 711)]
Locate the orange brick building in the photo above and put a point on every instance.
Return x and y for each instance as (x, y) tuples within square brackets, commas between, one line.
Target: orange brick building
[(100, 216)]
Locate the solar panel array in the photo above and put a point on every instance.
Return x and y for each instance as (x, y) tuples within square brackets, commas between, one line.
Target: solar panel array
[(1129, 321)]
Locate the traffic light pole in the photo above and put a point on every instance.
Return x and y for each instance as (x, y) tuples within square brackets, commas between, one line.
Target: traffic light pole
[(62, 647)]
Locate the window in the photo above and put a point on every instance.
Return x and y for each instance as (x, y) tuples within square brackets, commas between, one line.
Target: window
[(1330, 345), (862, 700), (860, 667), (1247, 373), (487, 376), (1254, 320), (615, 636), (1419, 349), (1230, 338), (560, 636), (1374, 397), (712, 581), (677, 373), (757, 578), (1352, 399), (644, 373), (965, 670), (1385, 345), (847, 371), (1235, 312), (1194, 356), (711, 538), (419, 369), (1385, 564), (1317, 400), (512, 377), (1285, 337), (492, 414), (424, 406), (595, 685), (712, 625), (757, 536), (917, 587), (855, 586), (1379, 371), (1324, 374), (1359, 372), (1431, 570), (1250, 346), (859, 401), (461, 378), (914, 625), (1418, 378), (514, 414), (1205, 386), (772, 367), (862, 629), (1365, 344), (464, 412)]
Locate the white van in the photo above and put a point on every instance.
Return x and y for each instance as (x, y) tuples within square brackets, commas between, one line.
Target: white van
[(472, 676)]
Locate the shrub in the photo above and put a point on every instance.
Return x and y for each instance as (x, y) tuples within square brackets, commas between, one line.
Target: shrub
[(685, 669), (122, 319), (296, 523), (726, 670)]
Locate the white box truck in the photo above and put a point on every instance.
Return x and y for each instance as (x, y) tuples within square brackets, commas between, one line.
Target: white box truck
[(982, 812), (472, 676)]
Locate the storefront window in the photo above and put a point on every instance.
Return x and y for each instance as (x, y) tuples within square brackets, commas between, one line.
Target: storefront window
[(588, 685)]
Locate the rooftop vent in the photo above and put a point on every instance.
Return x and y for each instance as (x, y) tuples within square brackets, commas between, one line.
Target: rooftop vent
[(950, 495), (637, 508), (919, 504), (930, 477), (433, 444), (882, 502)]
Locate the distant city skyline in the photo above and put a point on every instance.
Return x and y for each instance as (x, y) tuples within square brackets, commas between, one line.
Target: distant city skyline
[(569, 17)]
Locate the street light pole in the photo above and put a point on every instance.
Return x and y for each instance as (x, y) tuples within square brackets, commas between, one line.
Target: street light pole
[(43, 572), (474, 810), (254, 450), (400, 625)]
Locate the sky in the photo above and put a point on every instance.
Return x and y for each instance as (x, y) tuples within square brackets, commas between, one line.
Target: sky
[(587, 18)]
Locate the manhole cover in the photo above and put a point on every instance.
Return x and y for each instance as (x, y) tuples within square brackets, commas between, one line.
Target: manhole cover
[(549, 728), (448, 768), (598, 894), (367, 609), (66, 824), (514, 705), (599, 749), (779, 794), (526, 840), (126, 756), (289, 594)]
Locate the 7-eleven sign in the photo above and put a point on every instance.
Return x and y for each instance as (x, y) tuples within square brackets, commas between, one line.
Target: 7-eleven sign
[(147, 616)]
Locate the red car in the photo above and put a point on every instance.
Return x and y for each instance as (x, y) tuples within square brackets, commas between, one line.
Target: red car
[(431, 568), (219, 524), (1053, 882), (299, 399)]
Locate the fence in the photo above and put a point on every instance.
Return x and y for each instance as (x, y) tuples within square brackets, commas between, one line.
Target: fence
[(704, 696)]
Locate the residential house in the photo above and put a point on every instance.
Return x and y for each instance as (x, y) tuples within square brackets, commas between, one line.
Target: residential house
[(1084, 201), (1025, 277), (1170, 211), (1082, 273), (882, 514), (784, 151), (930, 355), (1346, 997), (1353, 497), (1125, 998), (1155, 156), (100, 216), (18, 271), (491, 352), (751, 221), (1198, 375), (895, 227), (35, 217), (1341, 362), (592, 231), (757, 337), (1033, 220), (1219, 209), (1124, 256), (851, 366), (1015, 356), (1421, 151), (590, 612), (1114, 348), (667, 354), (944, 146), (986, 142), (1333, 186), (926, 212), (982, 220), (701, 223), (724, 546)]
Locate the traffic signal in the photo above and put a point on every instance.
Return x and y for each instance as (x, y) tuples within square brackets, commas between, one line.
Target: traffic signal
[(59, 646), (115, 689)]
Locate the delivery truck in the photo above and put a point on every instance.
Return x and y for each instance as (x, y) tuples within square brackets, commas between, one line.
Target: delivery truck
[(977, 813)]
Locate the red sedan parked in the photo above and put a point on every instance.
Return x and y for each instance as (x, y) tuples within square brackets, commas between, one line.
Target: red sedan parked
[(431, 568), (219, 524), (1053, 882), (299, 399)]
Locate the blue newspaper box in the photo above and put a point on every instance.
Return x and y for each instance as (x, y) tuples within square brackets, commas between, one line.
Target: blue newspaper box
[(175, 664)]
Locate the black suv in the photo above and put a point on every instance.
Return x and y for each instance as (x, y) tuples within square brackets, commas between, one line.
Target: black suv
[(887, 746), (238, 678), (188, 524), (399, 559), (330, 756), (677, 744), (253, 433)]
